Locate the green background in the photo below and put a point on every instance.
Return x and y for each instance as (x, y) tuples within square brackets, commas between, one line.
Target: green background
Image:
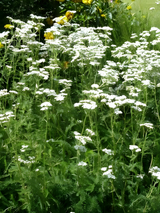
[(143, 6)]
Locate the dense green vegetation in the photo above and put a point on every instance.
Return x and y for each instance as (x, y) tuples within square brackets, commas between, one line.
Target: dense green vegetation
[(79, 110)]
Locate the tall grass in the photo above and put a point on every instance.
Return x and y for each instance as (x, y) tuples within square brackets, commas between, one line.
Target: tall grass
[(79, 120)]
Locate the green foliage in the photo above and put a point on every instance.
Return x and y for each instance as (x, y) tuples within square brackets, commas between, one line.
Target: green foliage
[(79, 116)]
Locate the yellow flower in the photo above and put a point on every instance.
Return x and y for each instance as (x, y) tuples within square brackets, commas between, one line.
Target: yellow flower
[(69, 15), (143, 16), (1, 45), (49, 21), (87, 2), (77, 1), (49, 35), (60, 0), (8, 26), (62, 20), (100, 11), (129, 7), (103, 15)]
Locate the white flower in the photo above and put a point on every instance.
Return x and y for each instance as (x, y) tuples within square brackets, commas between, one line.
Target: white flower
[(60, 97), (76, 133), (149, 125), (46, 104), (37, 17), (95, 86), (26, 89), (90, 132), (24, 146), (103, 168), (83, 139), (155, 172), (140, 176), (146, 82), (152, 8), (134, 147), (108, 151), (109, 174), (117, 111), (82, 163), (111, 105), (44, 108)]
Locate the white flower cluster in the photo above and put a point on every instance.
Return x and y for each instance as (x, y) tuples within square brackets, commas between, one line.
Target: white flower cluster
[(109, 172), (155, 172), (82, 163), (90, 132), (41, 73), (82, 139), (46, 91), (6, 116), (109, 75), (108, 151), (86, 104), (23, 149), (134, 147), (3, 92), (148, 125), (31, 160), (45, 105), (65, 82)]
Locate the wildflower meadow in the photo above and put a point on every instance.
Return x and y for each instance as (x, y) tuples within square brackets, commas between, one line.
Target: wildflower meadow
[(80, 111)]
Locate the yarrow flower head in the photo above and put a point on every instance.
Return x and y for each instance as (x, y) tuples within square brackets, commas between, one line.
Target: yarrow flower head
[(155, 172), (109, 172), (108, 151), (134, 147), (148, 125), (82, 163), (45, 105)]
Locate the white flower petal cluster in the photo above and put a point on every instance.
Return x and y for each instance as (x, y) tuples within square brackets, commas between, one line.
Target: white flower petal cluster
[(37, 17), (82, 139), (108, 151), (109, 172), (66, 82), (47, 91), (86, 104), (140, 176), (23, 149), (90, 132), (31, 160), (155, 171), (6, 116), (148, 125), (82, 163), (41, 72), (44, 106), (3, 92), (135, 148)]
